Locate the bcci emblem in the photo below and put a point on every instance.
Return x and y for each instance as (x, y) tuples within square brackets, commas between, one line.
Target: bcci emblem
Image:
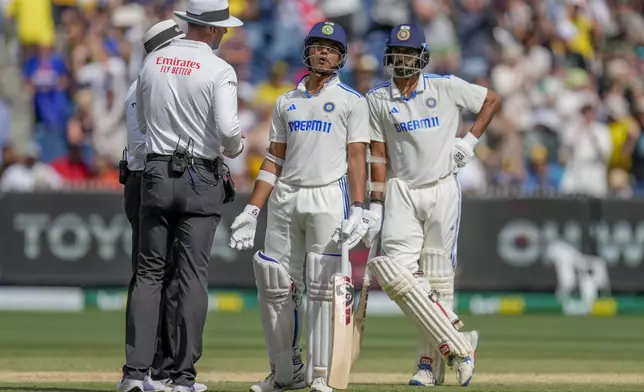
[(327, 29), (431, 102), (404, 33), (329, 107)]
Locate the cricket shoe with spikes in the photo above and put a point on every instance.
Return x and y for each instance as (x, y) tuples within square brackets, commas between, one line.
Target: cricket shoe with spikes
[(424, 376), (198, 387), (465, 365), (319, 385), (269, 384)]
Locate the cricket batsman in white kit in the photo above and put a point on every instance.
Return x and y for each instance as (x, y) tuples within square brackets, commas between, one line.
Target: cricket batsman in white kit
[(414, 155), (319, 132)]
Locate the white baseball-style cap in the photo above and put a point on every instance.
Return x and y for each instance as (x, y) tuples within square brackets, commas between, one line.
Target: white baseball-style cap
[(160, 34), (209, 13)]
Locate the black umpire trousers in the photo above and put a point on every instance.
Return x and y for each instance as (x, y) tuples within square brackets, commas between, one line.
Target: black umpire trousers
[(187, 209), (166, 336)]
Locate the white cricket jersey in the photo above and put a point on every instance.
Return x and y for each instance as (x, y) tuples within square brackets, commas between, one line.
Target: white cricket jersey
[(317, 129), (186, 92), (420, 130), (135, 139)]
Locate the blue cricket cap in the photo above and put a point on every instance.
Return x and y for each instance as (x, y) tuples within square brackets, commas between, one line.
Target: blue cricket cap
[(407, 35), (328, 30)]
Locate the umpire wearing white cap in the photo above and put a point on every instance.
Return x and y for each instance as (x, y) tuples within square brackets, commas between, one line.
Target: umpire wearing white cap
[(186, 104)]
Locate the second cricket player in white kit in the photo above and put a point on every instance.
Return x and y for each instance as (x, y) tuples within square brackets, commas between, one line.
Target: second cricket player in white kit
[(414, 123), (319, 132)]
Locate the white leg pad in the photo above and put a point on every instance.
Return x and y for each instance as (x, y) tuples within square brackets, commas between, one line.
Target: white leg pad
[(319, 272), (438, 271), (280, 314), (417, 302)]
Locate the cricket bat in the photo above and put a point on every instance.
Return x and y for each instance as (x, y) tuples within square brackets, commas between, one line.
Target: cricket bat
[(359, 324), (342, 325)]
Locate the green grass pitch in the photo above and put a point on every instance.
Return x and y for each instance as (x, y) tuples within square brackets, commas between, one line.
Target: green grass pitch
[(58, 352)]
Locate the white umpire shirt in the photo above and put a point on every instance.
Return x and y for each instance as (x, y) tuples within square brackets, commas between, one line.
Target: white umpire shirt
[(186, 92), (317, 129), (420, 130), (135, 140)]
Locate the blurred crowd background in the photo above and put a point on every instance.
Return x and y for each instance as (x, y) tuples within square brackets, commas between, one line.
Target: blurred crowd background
[(571, 74)]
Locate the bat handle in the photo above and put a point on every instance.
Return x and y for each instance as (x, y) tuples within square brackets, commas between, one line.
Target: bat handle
[(344, 252)]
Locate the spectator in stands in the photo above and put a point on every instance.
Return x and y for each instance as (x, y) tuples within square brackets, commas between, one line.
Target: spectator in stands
[(47, 78), (30, 175), (35, 24), (9, 157), (586, 151), (71, 166), (276, 85), (541, 175)]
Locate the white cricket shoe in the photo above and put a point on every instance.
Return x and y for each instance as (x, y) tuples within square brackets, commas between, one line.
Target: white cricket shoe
[(167, 383), (465, 365), (269, 385), (319, 385), (129, 385), (424, 376), (149, 385)]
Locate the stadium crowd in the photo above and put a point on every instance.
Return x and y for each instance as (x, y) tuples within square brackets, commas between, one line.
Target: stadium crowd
[(571, 73)]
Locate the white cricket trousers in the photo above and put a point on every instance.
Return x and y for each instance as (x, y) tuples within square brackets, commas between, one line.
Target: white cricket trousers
[(301, 220), (421, 219)]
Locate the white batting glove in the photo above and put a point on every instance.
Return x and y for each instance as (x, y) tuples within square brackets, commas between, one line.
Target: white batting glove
[(374, 216), (243, 229), (463, 150), (352, 227)]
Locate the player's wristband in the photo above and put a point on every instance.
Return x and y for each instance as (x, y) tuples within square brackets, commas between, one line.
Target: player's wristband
[(358, 204), (267, 177), (252, 210), (377, 201), (471, 140)]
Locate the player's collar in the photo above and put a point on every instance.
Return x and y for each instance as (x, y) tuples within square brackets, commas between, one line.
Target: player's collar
[(301, 86), (421, 86), (191, 43)]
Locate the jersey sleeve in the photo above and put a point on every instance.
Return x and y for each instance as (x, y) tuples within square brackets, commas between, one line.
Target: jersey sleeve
[(358, 123), (376, 127), (467, 95), (225, 103), (278, 126)]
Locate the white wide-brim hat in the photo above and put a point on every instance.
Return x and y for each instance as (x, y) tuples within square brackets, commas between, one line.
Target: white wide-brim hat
[(209, 13), (160, 34)]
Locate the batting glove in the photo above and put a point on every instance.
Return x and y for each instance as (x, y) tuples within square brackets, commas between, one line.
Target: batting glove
[(463, 150), (350, 230), (374, 217), (243, 229)]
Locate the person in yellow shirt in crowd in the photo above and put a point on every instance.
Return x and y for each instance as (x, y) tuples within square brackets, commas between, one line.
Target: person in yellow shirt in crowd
[(35, 24), (276, 85)]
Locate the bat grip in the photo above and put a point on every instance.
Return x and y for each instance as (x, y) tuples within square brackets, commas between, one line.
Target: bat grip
[(344, 252)]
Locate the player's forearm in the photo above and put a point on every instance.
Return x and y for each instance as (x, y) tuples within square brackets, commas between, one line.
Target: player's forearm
[(490, 106), (357, 172), (265, 183)]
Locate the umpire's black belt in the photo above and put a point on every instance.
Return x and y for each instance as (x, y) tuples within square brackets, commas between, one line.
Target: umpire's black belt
[(210, 164)]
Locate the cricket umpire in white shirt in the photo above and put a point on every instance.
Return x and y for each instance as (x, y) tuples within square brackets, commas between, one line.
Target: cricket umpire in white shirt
[(187, 109), (158, 36)]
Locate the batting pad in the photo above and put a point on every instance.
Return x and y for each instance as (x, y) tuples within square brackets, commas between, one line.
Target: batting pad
[(417, 302), (281, 318), (438, 271), (319, 272)]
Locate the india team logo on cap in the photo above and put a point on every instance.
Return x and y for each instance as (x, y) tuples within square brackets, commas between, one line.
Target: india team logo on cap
[(328, 29), (329, 107), (403, 33), (431, 102)]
